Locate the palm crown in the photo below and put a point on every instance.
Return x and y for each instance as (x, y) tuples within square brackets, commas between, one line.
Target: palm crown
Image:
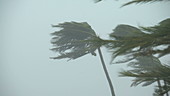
[(133, 42), (74, 40)]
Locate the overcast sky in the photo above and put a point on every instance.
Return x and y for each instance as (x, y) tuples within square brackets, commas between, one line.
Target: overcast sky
[(25, 27)]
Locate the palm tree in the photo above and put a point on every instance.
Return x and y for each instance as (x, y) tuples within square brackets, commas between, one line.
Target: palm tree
[(75, 40), (145, 42), (140, 44)]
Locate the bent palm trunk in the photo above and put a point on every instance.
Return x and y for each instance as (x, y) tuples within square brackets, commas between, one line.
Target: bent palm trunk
[(106, 73)]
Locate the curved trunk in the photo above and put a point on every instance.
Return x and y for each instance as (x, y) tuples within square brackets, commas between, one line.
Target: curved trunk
[(106, 73)]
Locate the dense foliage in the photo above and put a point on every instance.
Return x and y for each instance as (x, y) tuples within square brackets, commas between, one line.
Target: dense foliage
[(149, 70), (142, 47), (74, 40), (133, 42)]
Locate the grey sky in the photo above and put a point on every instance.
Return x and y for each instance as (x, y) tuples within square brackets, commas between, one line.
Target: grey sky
[(25, 28)]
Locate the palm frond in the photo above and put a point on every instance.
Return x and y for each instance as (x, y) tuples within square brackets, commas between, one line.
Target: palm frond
[(147, 70), (141, 1), (96, 1), (134, 41), (74, 40)]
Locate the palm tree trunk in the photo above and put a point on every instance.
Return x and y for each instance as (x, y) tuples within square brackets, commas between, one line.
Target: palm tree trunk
[(106, 73), (159, 86)]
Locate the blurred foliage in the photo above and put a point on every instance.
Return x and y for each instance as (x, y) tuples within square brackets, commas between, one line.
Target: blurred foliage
[(148, 70), (74, 40), (135, 1), (142, 1), (132, 42)]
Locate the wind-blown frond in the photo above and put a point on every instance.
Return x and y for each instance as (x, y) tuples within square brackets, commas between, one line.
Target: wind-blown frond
[(126, 37), (74, 40), (147, 70), (96, 1), (134, 41), (161, 37), (135, 1), (141, 1)]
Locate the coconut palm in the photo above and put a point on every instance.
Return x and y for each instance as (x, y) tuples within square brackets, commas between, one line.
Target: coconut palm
[(145, 42), (140, 44), (75, 40)]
